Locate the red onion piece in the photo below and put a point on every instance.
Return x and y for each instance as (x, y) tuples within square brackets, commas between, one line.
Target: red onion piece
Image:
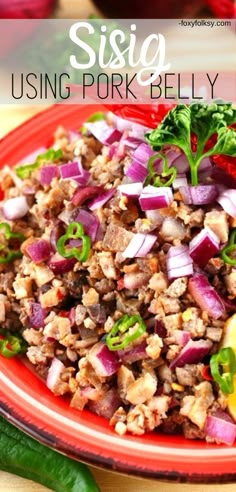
[(54, 373), (192, 353), (200, 194), (128, 356), (206, 296), (178, 262), (107, 405), (15, 208), (139, 246), (104, 361), (101, 199), (74, 170), (39, 250), (220, 428), (137, 172), (83, 194), (89, 221), (47, 173), (153, 198), (57, 231), (143, 153), (59, 265), (204, 246), (155, 217), (103, 132), (227, 200), (180, 181), (37, 315), (131, 189), (130, 142), (181, 163)]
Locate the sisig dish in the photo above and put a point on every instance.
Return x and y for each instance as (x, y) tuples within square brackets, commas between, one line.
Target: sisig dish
[(118, 275)]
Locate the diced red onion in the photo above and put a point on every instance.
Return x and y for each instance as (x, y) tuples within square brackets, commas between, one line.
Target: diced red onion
[(130, 355), (137, 172), (131, 189), (55, 370), (182, 337), (59, 265), (101, 199), (15, 208), (181, 163), (74, 170), (206, 296), (221, 429), (89, 221), (130, 142), (39, 250), (37, 315), (204, 246), (47, 173), (153, 198), (143, 153), (192, 353), (104, 361), (180, 181), (200, 194), (107, 405), (139, 246), (178, 262), (227, 200), (205, 165), (83, 194), (57, 231), (103, 132), (73, 135)]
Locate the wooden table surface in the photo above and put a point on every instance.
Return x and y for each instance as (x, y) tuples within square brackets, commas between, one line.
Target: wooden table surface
[(10, 117)]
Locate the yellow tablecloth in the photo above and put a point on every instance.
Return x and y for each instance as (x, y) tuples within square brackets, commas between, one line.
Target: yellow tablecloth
[(10, 117)]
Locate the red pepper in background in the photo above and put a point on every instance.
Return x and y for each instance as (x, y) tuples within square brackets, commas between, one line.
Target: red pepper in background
[(223, 9)]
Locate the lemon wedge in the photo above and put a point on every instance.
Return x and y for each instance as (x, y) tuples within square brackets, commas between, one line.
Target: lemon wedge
[(229, 340)]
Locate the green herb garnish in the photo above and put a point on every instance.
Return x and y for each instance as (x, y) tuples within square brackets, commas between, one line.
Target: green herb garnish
[(204, 121)]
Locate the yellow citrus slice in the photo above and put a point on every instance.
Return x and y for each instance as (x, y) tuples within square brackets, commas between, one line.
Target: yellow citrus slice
[(229, 340)]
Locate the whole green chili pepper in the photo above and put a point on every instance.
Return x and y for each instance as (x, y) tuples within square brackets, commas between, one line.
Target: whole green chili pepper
[(115, 339), (23, 456), (230, 248), (223, 368), (74, 230), (11, 254)]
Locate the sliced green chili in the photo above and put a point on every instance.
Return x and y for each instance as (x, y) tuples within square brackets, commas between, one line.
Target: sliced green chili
[(116, 338), (155, 179), (229, 249), (50, 155), (10, 254), (74, 230), (11, 345), (223, 368)]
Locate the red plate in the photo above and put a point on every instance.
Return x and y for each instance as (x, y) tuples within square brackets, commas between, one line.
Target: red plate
[(26, 401)]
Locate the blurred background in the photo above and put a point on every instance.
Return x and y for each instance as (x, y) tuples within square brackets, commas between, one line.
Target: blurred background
[(118, 9)]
